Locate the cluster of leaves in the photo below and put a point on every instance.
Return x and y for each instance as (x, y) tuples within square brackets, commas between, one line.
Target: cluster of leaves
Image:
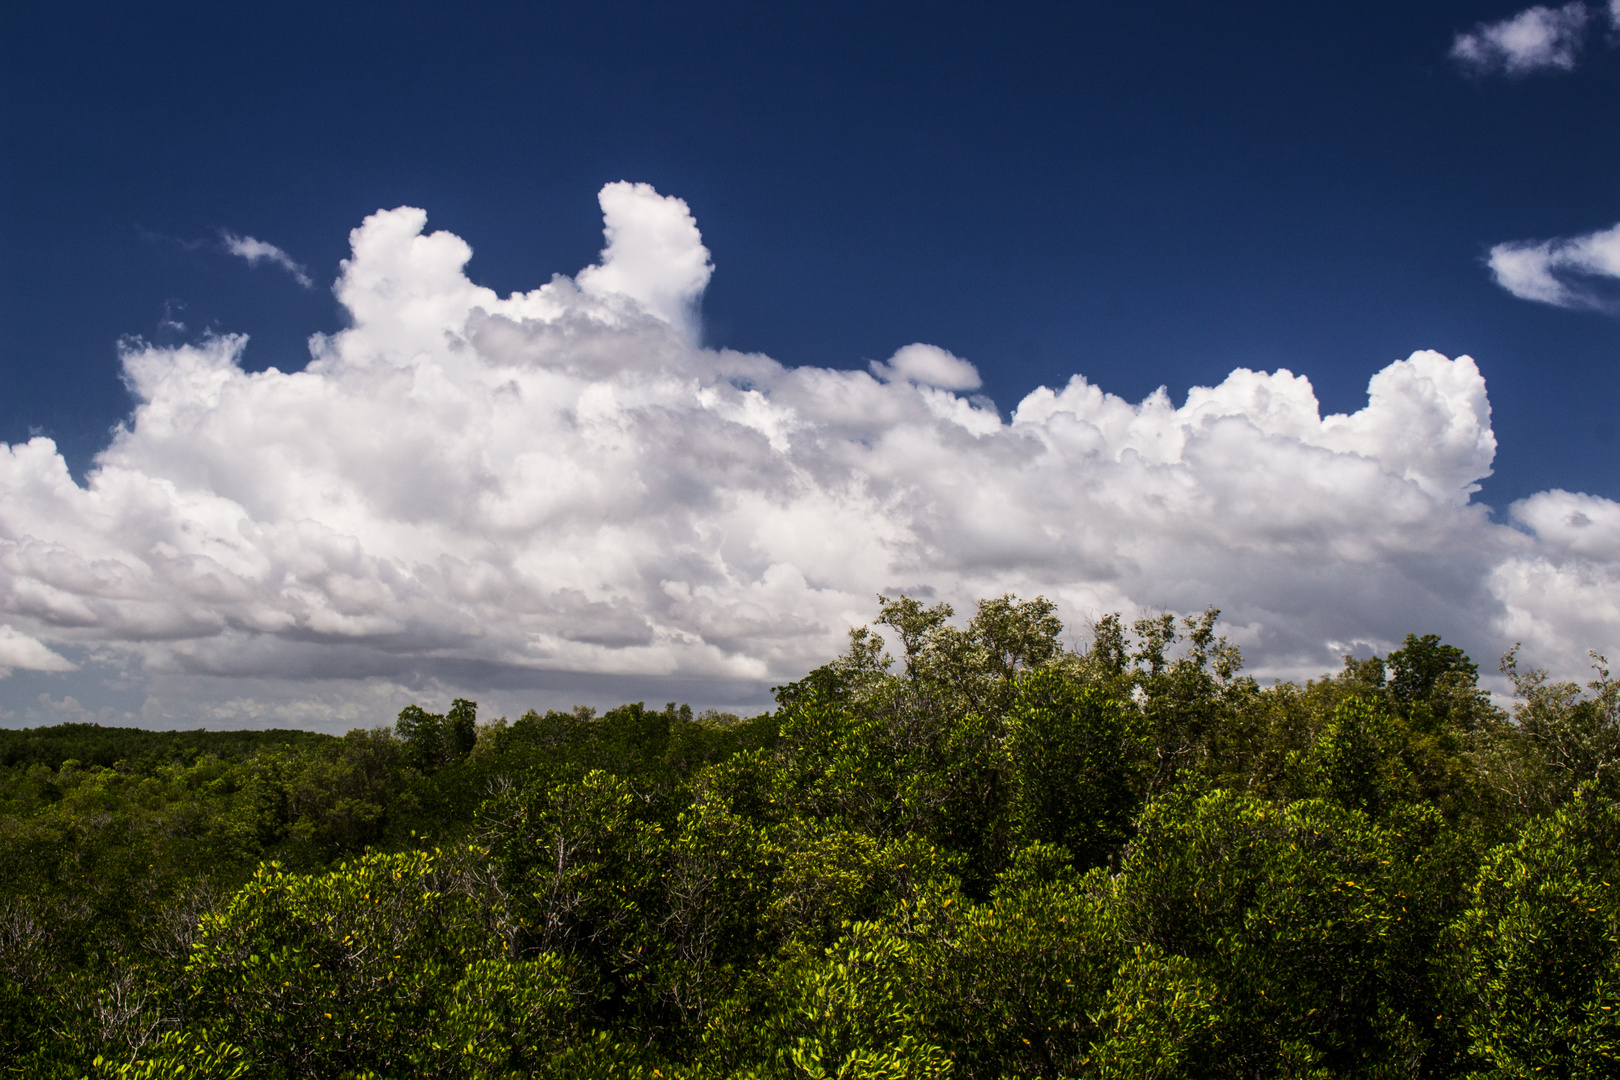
[(992, 857)]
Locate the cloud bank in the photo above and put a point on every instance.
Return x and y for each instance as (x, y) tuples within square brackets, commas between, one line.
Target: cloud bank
[(1565, 273), (559, 495)]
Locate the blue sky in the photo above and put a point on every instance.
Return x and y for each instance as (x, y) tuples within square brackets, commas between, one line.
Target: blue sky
[(1146, 195)]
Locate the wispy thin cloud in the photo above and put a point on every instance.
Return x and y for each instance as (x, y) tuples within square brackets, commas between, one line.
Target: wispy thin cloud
[(1568, 272), (1536, 39), (257, 251)]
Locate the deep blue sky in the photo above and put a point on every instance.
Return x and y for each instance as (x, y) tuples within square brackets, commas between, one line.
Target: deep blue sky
[(1144, 193)]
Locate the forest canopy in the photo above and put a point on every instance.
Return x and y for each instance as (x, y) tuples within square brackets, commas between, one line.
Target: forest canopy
[(960, 849)]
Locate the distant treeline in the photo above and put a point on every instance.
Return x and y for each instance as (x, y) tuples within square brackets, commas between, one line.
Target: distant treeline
[(135, 750), (987, 856)]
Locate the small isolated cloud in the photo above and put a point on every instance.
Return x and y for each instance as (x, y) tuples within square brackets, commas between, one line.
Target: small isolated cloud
[(928, 365), (1567, 273), (18, 650), (257, 251), (1537, 39), (561, 493)]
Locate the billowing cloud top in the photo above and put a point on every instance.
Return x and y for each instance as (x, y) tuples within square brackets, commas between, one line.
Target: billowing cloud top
[(654, 256), (467, 490)]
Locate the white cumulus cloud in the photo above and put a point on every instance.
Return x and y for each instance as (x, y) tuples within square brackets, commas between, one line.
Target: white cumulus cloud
[(257, 251), (1565, 273), (559, 495), (1536, 39)]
